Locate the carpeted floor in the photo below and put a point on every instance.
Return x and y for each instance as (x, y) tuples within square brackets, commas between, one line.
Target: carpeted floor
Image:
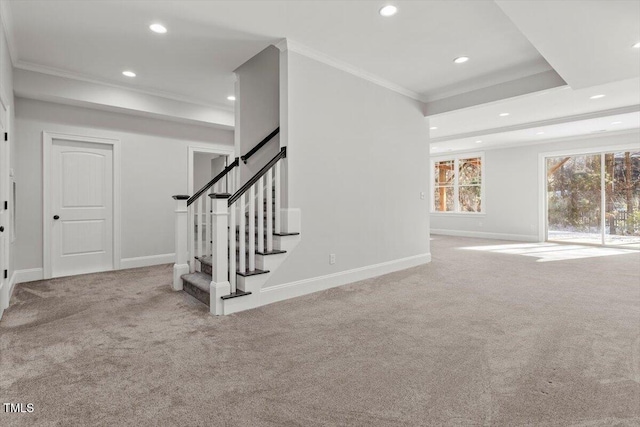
[(476, 338)]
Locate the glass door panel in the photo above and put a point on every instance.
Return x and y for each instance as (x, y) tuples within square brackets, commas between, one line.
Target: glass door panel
[(622, 199), (574, 199)]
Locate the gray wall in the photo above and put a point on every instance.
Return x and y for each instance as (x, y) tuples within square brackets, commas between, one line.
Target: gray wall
[(512, 186), (257, 109), (153, 168), (357, 156)]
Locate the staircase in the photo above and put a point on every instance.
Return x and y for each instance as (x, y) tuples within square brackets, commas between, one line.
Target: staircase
[(213, 224)]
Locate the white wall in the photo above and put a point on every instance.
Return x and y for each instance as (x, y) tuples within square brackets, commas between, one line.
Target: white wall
[(512, 202), (357, 156), (257, 109), (202, 169), (154, 167)]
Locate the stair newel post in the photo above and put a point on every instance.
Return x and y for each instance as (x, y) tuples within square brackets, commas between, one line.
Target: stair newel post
[(220, 285), (181, 267)]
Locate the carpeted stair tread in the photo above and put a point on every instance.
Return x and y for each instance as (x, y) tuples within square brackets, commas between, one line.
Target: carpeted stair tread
[(199, 280), (197, 285)]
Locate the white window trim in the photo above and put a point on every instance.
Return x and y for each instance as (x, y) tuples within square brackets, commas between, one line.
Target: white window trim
[(456, 202)]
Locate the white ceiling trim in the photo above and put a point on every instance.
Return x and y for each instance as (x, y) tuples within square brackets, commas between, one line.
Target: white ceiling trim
[(540, 123), (7, 23), (546, 80), (52, 71), (507, 145), (288, 44)]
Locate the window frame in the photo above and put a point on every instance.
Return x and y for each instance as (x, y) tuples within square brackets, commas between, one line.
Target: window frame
[(456, 184)]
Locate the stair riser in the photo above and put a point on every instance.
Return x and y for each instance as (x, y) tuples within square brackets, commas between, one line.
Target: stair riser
[(195, 292), (205, 268)]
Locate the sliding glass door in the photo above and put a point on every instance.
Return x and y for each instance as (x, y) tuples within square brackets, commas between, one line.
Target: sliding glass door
[(594, 198)]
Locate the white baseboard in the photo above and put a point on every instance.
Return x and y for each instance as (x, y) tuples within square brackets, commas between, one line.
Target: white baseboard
[(28, 275), (483, 235), (19, 276), (315, 284), (146, 261)]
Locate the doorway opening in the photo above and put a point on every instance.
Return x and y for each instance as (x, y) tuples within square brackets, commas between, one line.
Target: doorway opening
[(594, 198)]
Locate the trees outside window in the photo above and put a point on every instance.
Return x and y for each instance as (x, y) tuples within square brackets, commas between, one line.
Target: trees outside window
[(594, 197), (458, 184)]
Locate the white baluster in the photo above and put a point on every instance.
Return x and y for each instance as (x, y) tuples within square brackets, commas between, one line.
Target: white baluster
[(241, 237), (269, 211), (192, 238), (208, 227), (200, 221), (277, 196), (232, 247), (261, 214), (252, 228)]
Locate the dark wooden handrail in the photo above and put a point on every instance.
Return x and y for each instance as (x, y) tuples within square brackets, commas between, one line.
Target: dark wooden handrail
[(217, 178), (281, 155), (259, 145)]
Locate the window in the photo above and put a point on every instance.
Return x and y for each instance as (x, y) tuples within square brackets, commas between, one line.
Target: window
[(458, 184)]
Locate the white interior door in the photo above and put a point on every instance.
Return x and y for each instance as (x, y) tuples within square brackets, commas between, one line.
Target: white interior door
[(81, 207)]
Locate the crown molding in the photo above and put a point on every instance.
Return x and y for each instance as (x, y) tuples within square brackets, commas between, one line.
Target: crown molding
[(6, 16), (288, 44), (53, 71), (540, 123)]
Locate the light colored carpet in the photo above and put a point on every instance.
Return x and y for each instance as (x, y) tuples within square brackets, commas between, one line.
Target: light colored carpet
[(473, 339)]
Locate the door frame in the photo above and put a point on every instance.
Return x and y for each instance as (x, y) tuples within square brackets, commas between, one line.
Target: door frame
[(192, 150), (47, 143), (542, 176), (5, 194)]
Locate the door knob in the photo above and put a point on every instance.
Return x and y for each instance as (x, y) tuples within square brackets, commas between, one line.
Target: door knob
[(56, 217), (1, 229)]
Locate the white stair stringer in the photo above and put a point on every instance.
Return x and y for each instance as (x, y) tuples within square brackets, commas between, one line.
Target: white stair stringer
[(255, 283)]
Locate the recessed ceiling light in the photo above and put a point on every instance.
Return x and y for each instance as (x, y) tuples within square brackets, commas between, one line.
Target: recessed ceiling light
[(597, 96), (128, 73), (478, 141), (433, 127), (231, 98), (540, 133), (616, 123), (434, 148), (388, 10), (461, 59), (158, 28), (637, 45), (503, 114)]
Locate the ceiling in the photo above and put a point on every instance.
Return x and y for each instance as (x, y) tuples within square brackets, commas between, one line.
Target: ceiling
[(587, 43), (207, 40)]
